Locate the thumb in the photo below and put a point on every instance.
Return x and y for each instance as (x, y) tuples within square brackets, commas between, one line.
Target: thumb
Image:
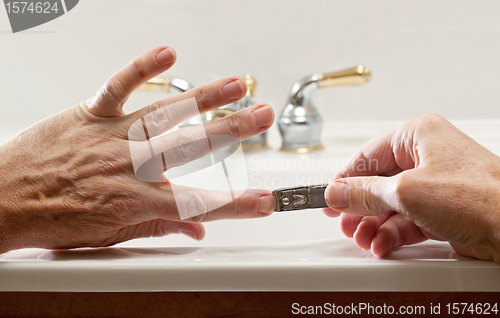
[(363, 195)]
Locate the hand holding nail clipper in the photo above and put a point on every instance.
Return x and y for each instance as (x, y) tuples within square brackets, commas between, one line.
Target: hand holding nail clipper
[(431, 182)]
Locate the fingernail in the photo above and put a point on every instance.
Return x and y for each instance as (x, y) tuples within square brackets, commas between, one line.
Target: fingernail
[(165, 57), (263, 116), (337, 195), (232, 91), (265, 204), (190, 234)]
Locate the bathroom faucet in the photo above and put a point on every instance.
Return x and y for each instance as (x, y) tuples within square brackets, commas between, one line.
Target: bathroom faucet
[(164, 84), (300, 123), (257, 142)]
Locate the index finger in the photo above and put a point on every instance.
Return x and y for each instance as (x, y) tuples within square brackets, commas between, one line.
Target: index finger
[(385, 155), (195, 205)]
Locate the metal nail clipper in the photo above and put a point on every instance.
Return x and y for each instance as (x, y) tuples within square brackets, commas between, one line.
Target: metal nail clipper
[(300, 198)]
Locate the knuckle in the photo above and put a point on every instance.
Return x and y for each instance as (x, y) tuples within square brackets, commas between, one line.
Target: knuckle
[(198, 206), (190, 146), (405, 191), (203, 97), (432, 121), (163, 118), (159, 228), (233, 126), (168, 116), (150, 111), (139, 70), (111, 90), (154, 107), (369, 199)]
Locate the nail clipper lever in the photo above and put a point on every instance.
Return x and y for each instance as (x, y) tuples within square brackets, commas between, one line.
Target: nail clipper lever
[(299, 198)]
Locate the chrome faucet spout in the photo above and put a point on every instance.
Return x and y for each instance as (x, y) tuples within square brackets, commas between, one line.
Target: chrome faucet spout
[(302, 89), (165, 84), (258, 142), (300, 123)]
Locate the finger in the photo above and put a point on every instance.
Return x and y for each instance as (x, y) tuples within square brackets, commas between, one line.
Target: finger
[(109, 100), (252, 204), (331, 212), (364, 195), (198, 205), (158, 228), (368, 227), (349, 223), (397, 231), (479, 253), (191, 143), (385, 155), (207, 97), (243, 124)]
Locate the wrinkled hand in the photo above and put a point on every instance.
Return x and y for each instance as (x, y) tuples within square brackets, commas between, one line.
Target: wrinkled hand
[(423, 180), (69, 181)]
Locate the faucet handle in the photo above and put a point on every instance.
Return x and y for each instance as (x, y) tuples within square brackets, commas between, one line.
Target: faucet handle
[(156, 84), (251, 84), (258, 142), (358, 75), (300, 123), (163, 84)]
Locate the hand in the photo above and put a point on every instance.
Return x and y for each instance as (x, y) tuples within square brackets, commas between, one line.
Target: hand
[(69, 181), (423, 180)]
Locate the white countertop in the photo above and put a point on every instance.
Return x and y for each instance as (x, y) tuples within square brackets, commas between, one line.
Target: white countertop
[(287, 251), (329, 265)]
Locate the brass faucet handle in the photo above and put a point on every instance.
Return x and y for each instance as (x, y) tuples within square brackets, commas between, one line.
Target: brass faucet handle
[(251, 84), (156, 84), (358, 75)]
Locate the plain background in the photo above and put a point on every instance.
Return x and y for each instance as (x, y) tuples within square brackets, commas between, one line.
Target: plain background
[(426, 56)]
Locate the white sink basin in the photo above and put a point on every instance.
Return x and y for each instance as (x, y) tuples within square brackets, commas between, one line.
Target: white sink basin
[(286, 251), (329, 265)]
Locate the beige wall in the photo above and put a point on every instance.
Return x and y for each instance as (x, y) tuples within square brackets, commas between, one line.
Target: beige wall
[(426, 56)]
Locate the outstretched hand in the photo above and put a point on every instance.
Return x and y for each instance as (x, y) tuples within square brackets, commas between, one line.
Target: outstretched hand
[(69, 180)]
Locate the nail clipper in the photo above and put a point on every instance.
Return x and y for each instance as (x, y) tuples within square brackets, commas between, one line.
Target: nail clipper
[(300, 198)]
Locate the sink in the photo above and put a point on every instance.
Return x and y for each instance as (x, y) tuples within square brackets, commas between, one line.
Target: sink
[(302, 250), (327, 265)]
